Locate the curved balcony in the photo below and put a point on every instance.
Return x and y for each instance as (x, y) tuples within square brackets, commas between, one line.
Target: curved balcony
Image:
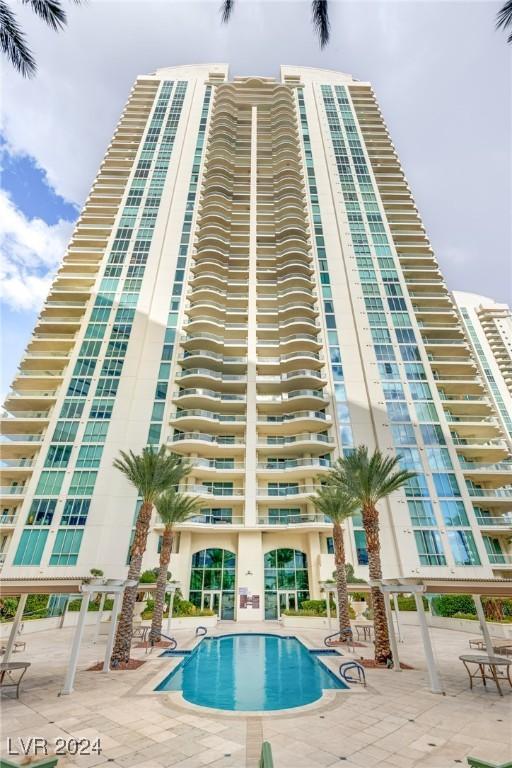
[(202, 491), (214, 467), (289, 520), (296, 467), (310, 442), (286, 491), (193, 396), (494, 522), (21, 438), (208, 444), (195, 357), (206, 324), (199, 376), (196, 418), (285, 423), (197, 340)]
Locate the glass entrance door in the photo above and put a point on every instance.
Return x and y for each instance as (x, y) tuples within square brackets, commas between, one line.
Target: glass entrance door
[(212, 600), (287, 601)]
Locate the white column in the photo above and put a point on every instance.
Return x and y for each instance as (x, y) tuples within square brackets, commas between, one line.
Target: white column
[(397, 616), (75, 648), (483, 625), (100, 613), (391, 630), (112, 633), (14, 629), (171, 606), (64, 612), (251, 411), (436, 685)]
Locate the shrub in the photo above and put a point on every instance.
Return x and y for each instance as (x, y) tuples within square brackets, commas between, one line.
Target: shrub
[(448, 605), (315, 606), (461, 615), (149, 577), (407, 603), (358, 597)]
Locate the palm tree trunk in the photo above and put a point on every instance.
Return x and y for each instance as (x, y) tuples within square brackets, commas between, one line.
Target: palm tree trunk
[(380, 625), (161, 583), (341, 582), (122, 645)]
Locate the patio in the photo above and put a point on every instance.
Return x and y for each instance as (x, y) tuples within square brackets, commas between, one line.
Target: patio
[(396, 723)]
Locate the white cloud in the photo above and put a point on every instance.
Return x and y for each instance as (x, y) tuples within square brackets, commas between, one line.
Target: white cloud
[(30, 250)]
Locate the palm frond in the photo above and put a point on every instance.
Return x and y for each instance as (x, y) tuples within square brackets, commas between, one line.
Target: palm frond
[(226, 10), (321, 21), (13, 45), (50, 11), (334, 502), (504, 18), (370, 478), (152, 471), (174, 507)]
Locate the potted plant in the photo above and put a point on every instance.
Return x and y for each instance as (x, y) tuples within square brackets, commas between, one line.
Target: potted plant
[(358, 603), (96, 576)]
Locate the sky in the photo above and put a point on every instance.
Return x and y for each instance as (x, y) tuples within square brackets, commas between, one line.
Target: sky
[(440, 70)]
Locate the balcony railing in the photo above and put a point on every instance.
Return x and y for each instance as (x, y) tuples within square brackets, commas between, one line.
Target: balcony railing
[(202, 490), (7, 520), (14, 463), (294, 464), (200, 392), (11, 490), (216, 519), (291, 519), (500, 559), (281, 418), (500, 521), (310, 437), (494, 493), (6, 438), (200, 413), (287, 490), (205, 438)]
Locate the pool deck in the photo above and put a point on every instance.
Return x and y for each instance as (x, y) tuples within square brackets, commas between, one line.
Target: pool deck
[(395, 723)]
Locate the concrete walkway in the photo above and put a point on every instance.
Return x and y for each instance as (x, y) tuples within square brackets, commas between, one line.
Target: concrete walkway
[(395, 723)]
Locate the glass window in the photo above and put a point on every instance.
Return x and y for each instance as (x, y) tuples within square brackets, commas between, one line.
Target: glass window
[(41, 512), (95, 432), (75, 512), (89, 456), (31, 546), (65, 431), (58, 456), (66, 547), (446, 484), (421, 513), (50, 483), (417, 486), (82, 483), (463, 547), (454, 513), (432, 434), (361, 547), (430, 548), (439, 458)]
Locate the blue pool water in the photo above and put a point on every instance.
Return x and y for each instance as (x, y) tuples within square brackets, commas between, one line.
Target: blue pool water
[(250, 673)]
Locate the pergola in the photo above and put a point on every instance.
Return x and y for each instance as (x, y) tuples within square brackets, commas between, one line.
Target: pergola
[(85, 587), (477, 588)]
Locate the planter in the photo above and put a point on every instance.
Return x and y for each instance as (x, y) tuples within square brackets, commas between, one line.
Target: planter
[(359, 607), (309, 622), (95, 581), (189, 622), (138, 610), (468, 625)]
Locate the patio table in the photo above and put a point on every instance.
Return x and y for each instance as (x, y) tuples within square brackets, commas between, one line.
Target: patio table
[(365, 629), (6, 678), (487, 668)]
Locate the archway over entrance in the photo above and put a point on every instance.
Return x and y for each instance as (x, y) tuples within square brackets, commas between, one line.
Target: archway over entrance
[(286, 581), (212, 581)]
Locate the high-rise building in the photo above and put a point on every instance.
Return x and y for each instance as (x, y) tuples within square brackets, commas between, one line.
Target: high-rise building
[(250, 284)]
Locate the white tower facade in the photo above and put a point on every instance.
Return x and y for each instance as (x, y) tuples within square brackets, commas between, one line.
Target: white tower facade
[(250, 284)]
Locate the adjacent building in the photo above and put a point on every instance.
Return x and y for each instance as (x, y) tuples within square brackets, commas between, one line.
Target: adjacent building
[(250, 284)]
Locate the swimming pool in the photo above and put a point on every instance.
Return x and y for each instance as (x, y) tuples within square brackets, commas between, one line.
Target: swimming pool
[(251, 672)]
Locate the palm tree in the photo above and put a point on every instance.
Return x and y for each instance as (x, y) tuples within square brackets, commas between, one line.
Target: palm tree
[(320, 17), (151, 472), (504, 18), (12, 39), (334, 502), (370, 479), (173, 508)]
